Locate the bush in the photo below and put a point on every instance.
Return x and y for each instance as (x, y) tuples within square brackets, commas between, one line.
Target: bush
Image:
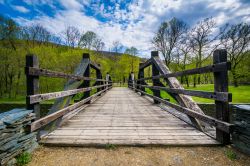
[(23, 159)]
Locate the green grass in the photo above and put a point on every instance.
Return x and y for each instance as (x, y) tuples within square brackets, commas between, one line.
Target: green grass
[(231, 154), (23, 159), (240, 94)]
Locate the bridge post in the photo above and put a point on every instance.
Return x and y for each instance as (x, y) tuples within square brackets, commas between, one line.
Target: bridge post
[(32, 84), (141, 75), (221, 85), (99, 76), (86, 83), (155, 72)]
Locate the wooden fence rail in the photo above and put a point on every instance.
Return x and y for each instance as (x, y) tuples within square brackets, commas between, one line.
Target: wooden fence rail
[(33, 99), (187, 105)]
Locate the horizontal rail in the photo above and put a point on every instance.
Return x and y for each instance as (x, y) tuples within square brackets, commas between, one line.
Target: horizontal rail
[(48, 73), (219, 96), (51, 117), (224, 126), (210, 120), (145, 64), (207, 69), (54, 95)]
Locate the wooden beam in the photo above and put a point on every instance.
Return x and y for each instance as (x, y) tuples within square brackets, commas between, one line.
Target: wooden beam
[(35, 71), (95, 66), (224, 126), (32, 83), (183, 100), (155, 72), (221, 85), (86, 83), (145, 64), (223, 66), (219, 96), (54, 95), (51, 117)]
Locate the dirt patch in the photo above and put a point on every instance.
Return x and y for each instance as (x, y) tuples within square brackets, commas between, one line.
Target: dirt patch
[(148, 156)]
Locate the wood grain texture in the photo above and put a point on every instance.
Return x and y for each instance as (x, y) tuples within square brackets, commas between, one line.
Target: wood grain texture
[(123, 117)]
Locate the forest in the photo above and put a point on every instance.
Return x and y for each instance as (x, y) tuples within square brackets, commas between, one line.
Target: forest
[(181, 47)]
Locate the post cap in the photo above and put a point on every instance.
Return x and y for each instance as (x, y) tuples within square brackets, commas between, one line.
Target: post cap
[(85, 55), (154, 53)]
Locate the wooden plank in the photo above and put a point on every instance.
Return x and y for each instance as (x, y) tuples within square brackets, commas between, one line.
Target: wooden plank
[(219, 96), (54, 95), (125, 123), (223, 66), (156, 82), (51, 117), (224, 126), (221, 85), (35, 71)]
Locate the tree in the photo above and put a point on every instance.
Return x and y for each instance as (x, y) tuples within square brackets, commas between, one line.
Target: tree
[(116, 47), (98, 44), (167, 37), (132, 51), (87, 40), (9, 31), (235, 39), (72, 36), (202, 42)]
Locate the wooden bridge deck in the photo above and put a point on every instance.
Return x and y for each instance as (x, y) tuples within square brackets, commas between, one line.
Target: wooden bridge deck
[(122, 117)]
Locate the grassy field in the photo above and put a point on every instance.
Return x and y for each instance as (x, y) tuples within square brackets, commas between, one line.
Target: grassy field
[(240, 94)]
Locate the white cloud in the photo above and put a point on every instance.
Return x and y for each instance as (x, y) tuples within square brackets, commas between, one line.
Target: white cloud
[(142, 18), (21, 9)]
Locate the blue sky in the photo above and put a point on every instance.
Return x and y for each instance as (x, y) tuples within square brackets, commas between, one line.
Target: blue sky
[(132, 22)]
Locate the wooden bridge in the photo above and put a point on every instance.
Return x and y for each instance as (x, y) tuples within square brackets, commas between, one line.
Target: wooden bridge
[(130, 116)]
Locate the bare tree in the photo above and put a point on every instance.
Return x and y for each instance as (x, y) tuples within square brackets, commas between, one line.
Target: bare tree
[(98, 44), (72, 36), (167, 37), (117, 46), (203, 42), (236, 40), (132, 51)]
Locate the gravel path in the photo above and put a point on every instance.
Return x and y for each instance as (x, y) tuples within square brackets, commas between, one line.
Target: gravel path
[(129, 156)]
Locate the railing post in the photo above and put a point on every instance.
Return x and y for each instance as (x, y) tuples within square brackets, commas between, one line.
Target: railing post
[(86, 83), (155, 72), (141, 75), (107, 81), (221, 85), (132, 80), (99, 76), (32, 84)]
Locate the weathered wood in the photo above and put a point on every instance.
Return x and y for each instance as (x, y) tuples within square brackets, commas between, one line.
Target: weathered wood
[(32, 83), (95, 66), (54, 95), (219, 96), (145, 64), (183, 100), (221, 85), (51, 117), (155, 72), (141, 75), (35, 71), (223, 126), (122, 117), (99, 76), (223, 66), (86, 83)]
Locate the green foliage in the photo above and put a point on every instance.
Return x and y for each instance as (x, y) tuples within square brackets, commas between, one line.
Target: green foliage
[(23, 159), (231, 154), (110, 146)]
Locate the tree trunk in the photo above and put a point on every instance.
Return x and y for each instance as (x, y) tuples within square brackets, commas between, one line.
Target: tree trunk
[(235, 78), (187, 81)]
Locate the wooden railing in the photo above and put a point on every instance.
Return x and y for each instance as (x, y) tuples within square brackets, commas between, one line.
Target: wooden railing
[(186, 105), (33, 72)]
